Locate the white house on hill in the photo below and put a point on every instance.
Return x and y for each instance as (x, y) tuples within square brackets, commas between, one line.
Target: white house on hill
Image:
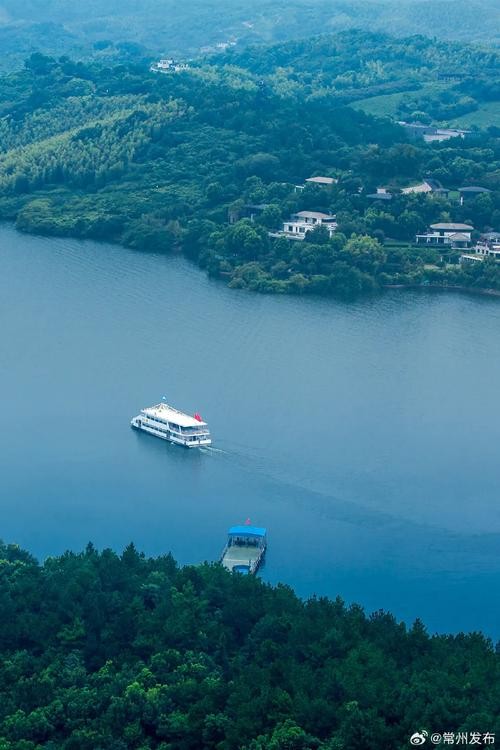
[(305, 221), (487, 247), (168, 66), (426, 186), (488, 251), (323, 181), (430, 133), (448, 234)]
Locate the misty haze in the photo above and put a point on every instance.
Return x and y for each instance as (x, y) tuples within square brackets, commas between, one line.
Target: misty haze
[(250, 356)]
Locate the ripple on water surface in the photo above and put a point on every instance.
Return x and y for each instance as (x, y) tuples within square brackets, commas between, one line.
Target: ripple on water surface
[(365, 436)]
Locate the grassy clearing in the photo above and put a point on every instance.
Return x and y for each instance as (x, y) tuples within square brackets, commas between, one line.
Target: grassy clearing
[(387, 105), (488, 114)]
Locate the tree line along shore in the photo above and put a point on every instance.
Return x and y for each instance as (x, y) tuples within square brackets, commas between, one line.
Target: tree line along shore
[(121, 651), (176, 161)]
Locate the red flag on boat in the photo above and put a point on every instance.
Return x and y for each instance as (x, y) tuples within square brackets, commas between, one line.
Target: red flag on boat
[(198, 417)]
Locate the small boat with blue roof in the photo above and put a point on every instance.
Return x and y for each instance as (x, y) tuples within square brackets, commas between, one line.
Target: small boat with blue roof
[(245, 548)]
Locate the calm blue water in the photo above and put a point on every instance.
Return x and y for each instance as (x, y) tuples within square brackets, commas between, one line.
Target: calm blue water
[(366, 437)]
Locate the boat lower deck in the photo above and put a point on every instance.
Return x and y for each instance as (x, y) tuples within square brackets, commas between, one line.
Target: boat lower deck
[(188, 441), (236, 556)]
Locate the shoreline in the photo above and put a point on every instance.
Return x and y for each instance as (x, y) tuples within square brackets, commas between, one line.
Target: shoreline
[(223, 276), (450, 288)]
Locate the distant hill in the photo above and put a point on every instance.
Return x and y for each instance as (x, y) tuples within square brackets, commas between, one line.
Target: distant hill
[(180, 161), (165, 26), (412, 78)]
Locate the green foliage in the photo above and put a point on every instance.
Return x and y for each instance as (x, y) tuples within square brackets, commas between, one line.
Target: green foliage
[(164, 163), (118, 652), (166, 26), (415, 80)]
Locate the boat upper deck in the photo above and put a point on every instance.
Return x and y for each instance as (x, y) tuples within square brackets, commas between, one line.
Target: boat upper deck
[(166, 413)]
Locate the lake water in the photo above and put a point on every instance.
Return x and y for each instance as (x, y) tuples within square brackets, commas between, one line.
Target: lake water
[(366, 436)]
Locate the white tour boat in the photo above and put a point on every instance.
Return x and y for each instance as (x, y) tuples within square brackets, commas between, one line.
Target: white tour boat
[(168, 423)]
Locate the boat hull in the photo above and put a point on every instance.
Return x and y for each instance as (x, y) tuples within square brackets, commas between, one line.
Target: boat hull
[(170, 437)]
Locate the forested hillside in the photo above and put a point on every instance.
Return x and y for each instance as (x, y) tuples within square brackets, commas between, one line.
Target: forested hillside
[(122, 652), (164, 162), (429, 81), (109, 27)]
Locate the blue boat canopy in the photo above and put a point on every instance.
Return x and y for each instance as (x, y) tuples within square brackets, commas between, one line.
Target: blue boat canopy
[(247, 531), (243, 569)]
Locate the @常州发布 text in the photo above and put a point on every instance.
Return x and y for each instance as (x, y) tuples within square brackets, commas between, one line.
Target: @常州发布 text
[(465, 739)]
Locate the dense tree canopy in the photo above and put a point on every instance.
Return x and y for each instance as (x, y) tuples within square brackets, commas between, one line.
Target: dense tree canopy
[(101, 651), (114, 29), (163, 162)]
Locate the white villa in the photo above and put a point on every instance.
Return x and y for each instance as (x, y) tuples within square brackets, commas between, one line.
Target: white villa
[(444, 134), (422, 187), (168, 66), (426, 186), (431, 133), (324, 181), (456, 236), (164, 64), (304, 221), (482, 250), (488, 251)]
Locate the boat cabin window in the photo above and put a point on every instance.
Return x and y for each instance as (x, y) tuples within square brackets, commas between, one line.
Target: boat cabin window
[(246, 541)]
